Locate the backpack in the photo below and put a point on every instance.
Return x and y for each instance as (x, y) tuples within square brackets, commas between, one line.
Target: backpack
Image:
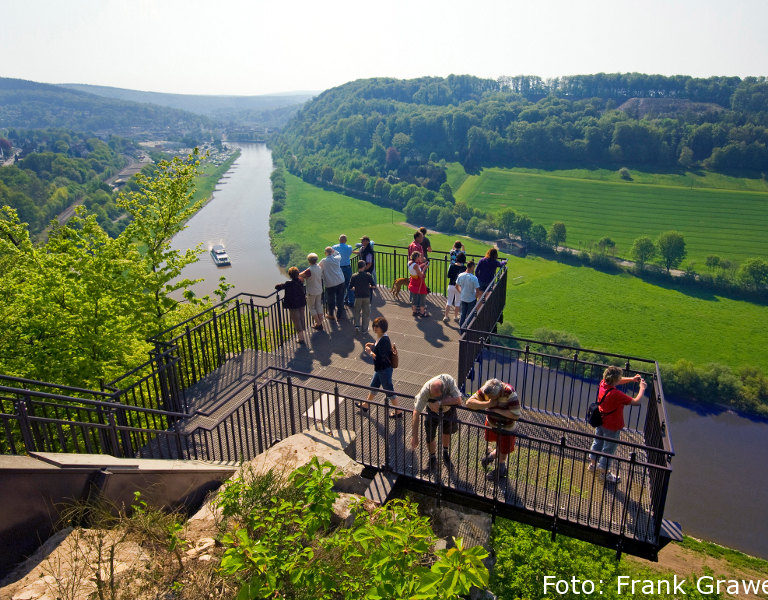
[(394, 357), (594, 416)]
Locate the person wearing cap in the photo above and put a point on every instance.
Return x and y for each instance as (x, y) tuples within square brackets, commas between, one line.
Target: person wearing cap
[(345, 251), (501, 404), (365, 253)]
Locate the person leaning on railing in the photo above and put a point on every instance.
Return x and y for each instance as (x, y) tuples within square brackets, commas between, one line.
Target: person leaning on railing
[(486, 268), (502, 407), (611, 405), (295, 301), (440, 396)]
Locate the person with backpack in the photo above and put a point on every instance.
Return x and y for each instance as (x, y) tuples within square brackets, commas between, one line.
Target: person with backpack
[(611, 403), (384, 355)]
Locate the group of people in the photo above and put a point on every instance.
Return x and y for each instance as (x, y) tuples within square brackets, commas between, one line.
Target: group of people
[(440, 397), (334, 274)]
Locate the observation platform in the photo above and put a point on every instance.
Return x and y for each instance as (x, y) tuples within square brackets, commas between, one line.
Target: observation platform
[(233, 381)]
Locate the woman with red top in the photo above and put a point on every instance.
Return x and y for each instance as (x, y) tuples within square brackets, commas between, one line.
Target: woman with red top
[(611, 404), (417, 286)]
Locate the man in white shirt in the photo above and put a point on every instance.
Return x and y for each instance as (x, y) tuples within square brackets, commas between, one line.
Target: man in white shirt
[(469, 290)]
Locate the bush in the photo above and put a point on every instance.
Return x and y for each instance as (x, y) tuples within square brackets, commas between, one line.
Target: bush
[(625, 174)]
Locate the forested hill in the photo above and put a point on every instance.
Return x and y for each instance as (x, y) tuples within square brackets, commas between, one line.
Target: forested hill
[(400, 129), (228, 108), (30, 105)]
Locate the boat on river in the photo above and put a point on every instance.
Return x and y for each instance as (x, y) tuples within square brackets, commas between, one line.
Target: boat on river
[(220, 256)]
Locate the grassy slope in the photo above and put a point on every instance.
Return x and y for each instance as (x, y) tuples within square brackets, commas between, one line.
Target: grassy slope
[(608, 312), (730, 223)]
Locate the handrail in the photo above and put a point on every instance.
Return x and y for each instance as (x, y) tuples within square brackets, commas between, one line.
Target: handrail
[(157, 336), (54, 385)]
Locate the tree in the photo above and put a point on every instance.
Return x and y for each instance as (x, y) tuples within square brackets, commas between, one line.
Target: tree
[(506, 222), (753, 273), (523, 224), (447, 193), (671, 247), (643, 250), (712, 262), (538, 234), (557, 234), (606, 244), (159, 210)]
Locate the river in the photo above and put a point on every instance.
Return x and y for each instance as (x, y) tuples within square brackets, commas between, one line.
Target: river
[(719, 484)]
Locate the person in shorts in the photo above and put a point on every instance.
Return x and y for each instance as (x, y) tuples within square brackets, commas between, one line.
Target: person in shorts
[(313, 279), (439, 396), (502, 407), (295, 302), (453, 301)]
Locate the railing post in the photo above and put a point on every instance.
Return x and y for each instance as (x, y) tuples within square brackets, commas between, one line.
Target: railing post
[(336, 406), (240, 325), (177, 435), (573, 383), (254, 326), (191, 354), (386, 433), (257, 413), (24, 426), (556, 516), (622, 528), (113, 439), (291, 415), (218, 361), (125, 436)]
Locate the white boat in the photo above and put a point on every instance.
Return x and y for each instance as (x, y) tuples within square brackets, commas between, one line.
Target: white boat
[(220, 256)]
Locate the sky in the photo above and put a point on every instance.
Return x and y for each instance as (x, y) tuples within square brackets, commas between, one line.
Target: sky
[(249, 47)]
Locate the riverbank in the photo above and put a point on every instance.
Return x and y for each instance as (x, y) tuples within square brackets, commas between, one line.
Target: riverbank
[(208, 179)]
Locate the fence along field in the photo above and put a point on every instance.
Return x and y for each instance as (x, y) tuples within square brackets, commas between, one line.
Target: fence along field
[(728, 223), (609, 312)]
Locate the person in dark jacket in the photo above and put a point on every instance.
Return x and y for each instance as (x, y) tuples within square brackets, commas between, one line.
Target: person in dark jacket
[(486, 268), (381, 353), (295, 302)]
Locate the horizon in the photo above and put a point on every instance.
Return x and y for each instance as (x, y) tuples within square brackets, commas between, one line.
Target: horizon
[(246, 49)]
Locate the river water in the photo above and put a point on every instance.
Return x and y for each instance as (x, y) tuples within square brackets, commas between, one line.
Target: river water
[(719, 484)]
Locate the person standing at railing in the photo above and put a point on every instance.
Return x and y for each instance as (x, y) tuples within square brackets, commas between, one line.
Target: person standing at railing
[(469, 291), (362, 284), (458, 248), (486, 268), (345, 251), (365, 252), (295, 302), (417, 285), (425, 243), (440, 396), (333, 279), (415, 245), (611, 403), (502, 407), (313, 278), (453, 300)]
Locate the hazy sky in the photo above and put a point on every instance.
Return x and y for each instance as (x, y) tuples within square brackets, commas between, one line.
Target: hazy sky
[(258, 47)]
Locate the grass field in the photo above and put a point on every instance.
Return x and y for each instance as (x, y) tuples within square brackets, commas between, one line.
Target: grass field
[(617, 313), (728, 222)]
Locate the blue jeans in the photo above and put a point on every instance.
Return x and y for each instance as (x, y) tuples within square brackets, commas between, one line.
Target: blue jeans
[(350, 294), (383, 378), (466, 308), (605, 446), (334, 296)]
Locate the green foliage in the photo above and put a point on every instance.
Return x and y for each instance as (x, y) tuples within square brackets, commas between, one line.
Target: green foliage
[(643, 250), (282, 545), (753, 273), (159, 209), (557, 233), (525, 556), (671, 248), (625, 174)]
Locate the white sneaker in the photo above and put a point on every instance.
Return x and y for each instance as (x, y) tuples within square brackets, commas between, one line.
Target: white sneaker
[(611, 478)]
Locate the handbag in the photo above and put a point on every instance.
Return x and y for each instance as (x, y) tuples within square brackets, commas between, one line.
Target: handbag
[(394, 357)]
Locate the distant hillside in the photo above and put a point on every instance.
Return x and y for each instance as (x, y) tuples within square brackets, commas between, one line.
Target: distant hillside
[(667, 107), (229, 108), (31, 105)]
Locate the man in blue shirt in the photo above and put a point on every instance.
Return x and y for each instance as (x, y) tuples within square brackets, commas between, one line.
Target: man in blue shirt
[(469, 289), (345, 250)]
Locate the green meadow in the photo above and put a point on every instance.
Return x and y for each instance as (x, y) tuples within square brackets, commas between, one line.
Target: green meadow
[(616, 313), (727, 216)]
